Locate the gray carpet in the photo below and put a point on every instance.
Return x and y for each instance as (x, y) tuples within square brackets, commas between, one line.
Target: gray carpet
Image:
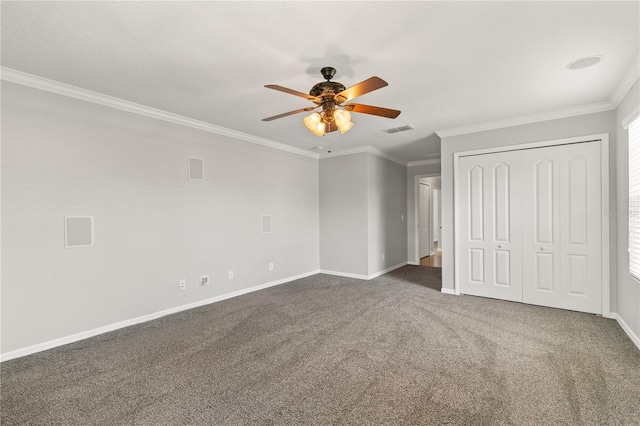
[(329, 350)]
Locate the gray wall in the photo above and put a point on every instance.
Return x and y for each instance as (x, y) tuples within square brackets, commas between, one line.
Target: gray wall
[(412, 172), (602, 122), (362, 201), (387, 214), (628, 297), (343, 214), (62, 156)]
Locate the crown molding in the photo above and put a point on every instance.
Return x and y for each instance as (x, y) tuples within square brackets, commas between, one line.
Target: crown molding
[(365, 149), (41, 83), (631, 117), (627, 81), (527, 119), (423, 162)]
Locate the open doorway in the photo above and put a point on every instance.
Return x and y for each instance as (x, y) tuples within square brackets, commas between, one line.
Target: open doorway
[(429, 221)]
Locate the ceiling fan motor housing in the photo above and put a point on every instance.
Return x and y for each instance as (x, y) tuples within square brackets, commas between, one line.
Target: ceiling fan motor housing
[(327, 89)]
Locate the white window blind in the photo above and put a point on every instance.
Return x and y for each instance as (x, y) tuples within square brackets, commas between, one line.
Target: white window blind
[(634, 198)]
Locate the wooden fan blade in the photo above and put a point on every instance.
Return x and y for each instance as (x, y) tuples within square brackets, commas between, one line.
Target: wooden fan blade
[(369, 85), (293, 92), (275, 117), (373, 110)]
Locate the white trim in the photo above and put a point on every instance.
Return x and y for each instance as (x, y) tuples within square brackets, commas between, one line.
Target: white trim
[(634, 338), (449, 291), (144, 318), (631, 117), (456, 222), (363, 277), (604, 231), (627, 81), (411, 262), (344, 274), (527, 119), (52, 86), (362, 149), (66, 242), (423, 162), (386, 271), (530, 145), (604, 168)]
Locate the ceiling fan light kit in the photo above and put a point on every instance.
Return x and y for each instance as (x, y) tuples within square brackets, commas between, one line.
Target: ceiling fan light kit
[(330, 95)]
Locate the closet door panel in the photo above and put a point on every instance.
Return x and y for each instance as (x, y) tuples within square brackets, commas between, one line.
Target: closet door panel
[(540, 233), (490, 226), (580, 226)]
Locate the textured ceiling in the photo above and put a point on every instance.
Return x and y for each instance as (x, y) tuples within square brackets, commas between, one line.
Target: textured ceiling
[(448, 64)]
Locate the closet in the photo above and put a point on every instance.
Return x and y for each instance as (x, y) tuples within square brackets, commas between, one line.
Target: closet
[(530, 226)]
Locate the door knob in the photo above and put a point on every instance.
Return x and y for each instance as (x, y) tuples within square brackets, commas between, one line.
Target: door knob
[(541, 248), (499, 245)]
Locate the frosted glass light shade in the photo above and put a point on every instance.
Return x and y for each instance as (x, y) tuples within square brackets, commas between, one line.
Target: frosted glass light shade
[(341, 117), (345, 128), (319, 130), (312, 121), (315, 124)]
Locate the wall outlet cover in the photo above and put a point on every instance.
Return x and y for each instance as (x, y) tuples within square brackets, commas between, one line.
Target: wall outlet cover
[(204, 280)]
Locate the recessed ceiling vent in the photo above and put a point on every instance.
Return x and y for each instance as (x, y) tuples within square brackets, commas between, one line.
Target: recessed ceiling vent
[(399, 129)]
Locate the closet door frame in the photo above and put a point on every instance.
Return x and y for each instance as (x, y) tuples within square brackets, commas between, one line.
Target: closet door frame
[(603, 138)]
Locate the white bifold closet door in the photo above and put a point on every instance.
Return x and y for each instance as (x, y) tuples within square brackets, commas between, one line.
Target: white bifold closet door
[(539, 211)]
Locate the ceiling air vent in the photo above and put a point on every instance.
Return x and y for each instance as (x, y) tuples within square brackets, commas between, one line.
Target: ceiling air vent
[(399, 129)]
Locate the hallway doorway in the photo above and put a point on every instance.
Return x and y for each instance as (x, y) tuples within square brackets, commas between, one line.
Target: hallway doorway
[(429, 225)]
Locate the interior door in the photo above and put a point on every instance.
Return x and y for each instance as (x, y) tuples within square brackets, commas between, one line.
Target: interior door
[(423, 225), (490, 225), (562, 233), (436, 220)]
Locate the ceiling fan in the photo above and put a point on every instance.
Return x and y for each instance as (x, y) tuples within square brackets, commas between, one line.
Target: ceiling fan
[(330, 96)]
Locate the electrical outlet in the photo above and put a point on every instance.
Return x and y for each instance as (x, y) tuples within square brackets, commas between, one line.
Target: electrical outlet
[(401, 217), (382, 256), (182, 285), (204, 280), (231, 274), (271, 266)]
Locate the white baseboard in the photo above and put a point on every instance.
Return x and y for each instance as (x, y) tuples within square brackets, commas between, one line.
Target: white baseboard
[(448, 291), (363, 277), (386, 271), (634, 338), (413, 263), (344, 274), (144, 318)]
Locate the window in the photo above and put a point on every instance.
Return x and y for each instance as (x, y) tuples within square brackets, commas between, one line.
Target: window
[(634, 198)]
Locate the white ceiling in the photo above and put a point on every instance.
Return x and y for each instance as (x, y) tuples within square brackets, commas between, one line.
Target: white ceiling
[(448, 64)]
